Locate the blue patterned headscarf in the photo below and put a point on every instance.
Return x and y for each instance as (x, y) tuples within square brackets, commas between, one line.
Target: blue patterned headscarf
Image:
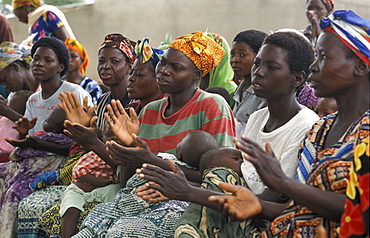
[(145, 52), (352, 30)]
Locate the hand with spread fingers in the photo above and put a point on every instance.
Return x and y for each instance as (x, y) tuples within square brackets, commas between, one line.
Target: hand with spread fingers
[(149, 194), (130, 156), (172, 184), (87, 137), (241, 205), (23, 125), (75, 112), (122, 125), (265, 162), (29, 141)]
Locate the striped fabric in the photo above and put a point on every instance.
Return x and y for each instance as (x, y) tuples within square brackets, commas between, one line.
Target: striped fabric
[(329, 172), (204, 111)]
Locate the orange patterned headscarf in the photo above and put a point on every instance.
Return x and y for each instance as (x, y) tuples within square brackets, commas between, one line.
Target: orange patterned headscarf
[(76, 46), (20, 3), (201, 49)]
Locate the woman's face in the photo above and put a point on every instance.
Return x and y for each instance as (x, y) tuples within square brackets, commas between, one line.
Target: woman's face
[(45, 65), (142, 82), (332, 71), (271, 75), (175, 72), (22, 14), (241, 59), (113, 66), (316, 8), (12, 78), (75, 61)]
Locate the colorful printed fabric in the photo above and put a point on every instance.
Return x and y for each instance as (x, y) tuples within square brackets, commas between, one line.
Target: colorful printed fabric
[(352, 30), (93, 88), (91, 163), (20, 3), (200, 221), (15, 176), (120, 42), (10, 52), (355, 220), (131, 216), (328, 173), (45, 26), (222, 75), (201, 49), (73, 44), (32, 207), (306, 97), (329, 4), (145, 52), (204, 111)]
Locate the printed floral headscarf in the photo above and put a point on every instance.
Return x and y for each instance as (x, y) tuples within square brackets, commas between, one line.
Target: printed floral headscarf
[(352, 30), (20, 3), (201, 49), (120, 42), (10, 52), (144, 52), (76, 46)]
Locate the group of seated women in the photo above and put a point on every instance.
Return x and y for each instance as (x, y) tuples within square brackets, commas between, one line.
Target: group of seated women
[(133, 164)]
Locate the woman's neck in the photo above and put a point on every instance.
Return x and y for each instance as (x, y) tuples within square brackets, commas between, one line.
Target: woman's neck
[(50, 87), (178, 100), (74, 77), (120, 90), (281, 111)]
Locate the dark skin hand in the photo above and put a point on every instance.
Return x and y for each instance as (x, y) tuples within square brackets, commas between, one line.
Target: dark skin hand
[(173, 184), (87, 137), (23, 125), (73, 109), (325, 203), (38, 143), (134, 157), (6, 111)]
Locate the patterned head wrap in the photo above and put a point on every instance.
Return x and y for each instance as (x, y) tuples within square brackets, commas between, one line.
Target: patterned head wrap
[(76, 46), (352, 30), (145, 52), (306, 97), (329, 5), (10, 52), (120, 42), (20, 3), (201, 49)]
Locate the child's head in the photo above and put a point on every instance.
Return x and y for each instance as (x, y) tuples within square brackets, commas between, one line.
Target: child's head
[(228, 157), (18, 101), (326, 106), (109, 135), (220, 91), (54, 123), (194, 145)]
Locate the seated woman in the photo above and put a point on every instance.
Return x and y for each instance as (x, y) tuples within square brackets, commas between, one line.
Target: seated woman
[(15, 74), (341, 70), (115, 57), (280, 67), (244, 49), (187, 59), (79, 60), (33, 156)]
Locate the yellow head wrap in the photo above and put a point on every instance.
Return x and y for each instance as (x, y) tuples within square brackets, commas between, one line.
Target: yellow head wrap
[(76, 46), (201, 49), (20, 3)]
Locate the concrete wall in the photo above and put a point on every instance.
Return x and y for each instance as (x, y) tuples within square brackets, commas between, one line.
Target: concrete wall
[(153, 18)]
